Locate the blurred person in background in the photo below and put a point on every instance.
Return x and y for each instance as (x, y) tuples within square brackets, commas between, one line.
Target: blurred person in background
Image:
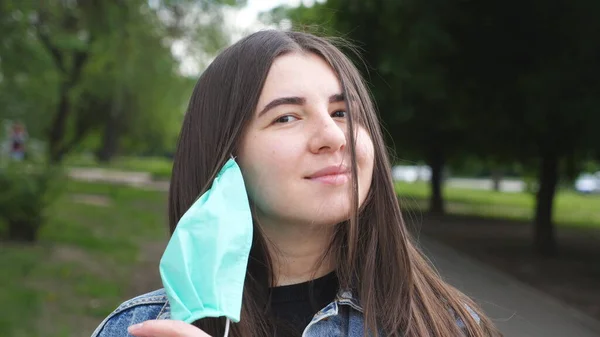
[(18, 137)]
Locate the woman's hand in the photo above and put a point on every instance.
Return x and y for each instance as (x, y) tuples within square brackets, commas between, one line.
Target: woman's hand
[(165, 328)]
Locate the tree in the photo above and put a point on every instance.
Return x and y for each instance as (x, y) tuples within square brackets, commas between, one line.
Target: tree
[(24, 81), (75, 42), (534, 88)]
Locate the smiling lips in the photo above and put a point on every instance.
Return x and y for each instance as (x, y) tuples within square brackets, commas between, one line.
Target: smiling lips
[(331, 175)]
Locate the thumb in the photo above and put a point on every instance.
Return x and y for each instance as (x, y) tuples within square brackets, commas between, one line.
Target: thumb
[(165, 328)]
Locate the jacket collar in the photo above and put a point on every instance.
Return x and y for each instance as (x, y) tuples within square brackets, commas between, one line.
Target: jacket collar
[(344, 297)]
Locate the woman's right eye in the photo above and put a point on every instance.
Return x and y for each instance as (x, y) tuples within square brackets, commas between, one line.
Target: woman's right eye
[(285, 119)]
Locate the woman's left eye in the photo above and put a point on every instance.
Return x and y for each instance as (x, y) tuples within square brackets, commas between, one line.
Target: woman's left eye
[(339, 114)]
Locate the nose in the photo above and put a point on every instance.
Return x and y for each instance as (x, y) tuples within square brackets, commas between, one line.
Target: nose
[(328, 135)]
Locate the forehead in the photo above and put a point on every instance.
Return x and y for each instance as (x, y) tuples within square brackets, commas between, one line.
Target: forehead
[(300, 74)]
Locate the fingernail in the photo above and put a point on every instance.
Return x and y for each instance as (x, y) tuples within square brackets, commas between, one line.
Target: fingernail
[(135, 327)]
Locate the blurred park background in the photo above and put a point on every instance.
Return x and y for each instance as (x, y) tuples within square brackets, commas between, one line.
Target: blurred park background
[(491, 109)]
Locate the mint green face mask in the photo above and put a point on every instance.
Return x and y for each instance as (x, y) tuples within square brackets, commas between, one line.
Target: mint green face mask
[(204, 265)]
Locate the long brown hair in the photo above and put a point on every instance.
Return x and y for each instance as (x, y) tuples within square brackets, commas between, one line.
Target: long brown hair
[(375, 257)]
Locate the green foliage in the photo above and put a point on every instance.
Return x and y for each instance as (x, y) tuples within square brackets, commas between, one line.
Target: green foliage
[(530, 80), (317, 19), (591, 166), (132, 88), (26, 192), (26, 83), (103, 70)]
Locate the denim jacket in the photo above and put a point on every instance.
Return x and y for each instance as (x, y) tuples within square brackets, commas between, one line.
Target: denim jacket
[(342, 317)]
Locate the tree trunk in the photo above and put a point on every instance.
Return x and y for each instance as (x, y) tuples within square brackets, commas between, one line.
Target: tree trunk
[(59, 124), (496, 179), (23, 231), (110, 141), (436, 163), (544, 233), (112, 128)]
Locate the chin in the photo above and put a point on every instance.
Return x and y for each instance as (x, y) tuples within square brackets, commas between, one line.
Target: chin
[(329, 216)]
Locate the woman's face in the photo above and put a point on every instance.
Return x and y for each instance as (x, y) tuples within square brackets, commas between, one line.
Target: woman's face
[(295, 154)]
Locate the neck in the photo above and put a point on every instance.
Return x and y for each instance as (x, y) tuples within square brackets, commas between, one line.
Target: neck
[(297, 251)]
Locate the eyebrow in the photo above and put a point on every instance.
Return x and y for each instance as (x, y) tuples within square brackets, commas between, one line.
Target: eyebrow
[(296, 101), (336, 98)]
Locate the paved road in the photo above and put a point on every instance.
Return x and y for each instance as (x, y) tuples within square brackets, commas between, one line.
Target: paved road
[(517, 309)]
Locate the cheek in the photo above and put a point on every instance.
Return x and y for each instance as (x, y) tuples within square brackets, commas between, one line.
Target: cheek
[(270, 158), (266, 163)]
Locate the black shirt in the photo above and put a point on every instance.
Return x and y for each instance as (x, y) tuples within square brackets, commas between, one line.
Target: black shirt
[(294, 306)]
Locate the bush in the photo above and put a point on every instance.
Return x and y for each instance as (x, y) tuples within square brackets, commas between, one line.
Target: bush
[(26, 191)]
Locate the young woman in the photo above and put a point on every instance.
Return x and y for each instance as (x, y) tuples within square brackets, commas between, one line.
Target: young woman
[(331, 255)]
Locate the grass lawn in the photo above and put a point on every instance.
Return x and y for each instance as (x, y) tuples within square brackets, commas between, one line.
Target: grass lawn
[(570, 208), (81, 268)]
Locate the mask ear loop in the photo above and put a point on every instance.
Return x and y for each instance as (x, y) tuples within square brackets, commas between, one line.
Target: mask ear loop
[(227, 323)]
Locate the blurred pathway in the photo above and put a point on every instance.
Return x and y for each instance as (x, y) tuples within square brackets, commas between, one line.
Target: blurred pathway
[(138, 179), (516, 308)]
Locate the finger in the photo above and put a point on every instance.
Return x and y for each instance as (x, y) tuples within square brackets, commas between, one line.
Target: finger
[(165, 328)]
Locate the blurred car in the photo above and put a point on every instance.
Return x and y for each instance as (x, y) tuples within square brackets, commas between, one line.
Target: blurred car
[(588, 183)]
